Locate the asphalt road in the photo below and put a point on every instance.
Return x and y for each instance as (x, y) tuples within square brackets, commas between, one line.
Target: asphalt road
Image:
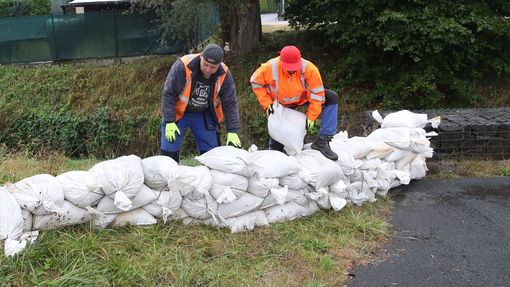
[(453, 232)]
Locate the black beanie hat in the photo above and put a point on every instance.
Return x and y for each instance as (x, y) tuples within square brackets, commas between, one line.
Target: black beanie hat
[(213, 54)]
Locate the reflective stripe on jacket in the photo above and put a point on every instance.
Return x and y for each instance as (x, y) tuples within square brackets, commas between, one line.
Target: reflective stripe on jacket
[(271, 82), (182, 103)]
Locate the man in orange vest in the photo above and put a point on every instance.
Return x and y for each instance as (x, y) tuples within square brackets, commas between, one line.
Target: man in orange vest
[(199, 90), (294, 81)]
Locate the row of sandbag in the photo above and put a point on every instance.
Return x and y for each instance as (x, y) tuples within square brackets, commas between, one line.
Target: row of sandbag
[(240, 190), (128, 190)]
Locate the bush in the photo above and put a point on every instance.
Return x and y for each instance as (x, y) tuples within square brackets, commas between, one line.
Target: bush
[(19, 8), (98, 135), (418, 54)]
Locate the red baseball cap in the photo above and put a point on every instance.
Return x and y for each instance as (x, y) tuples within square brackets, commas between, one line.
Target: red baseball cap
[(290, 56)]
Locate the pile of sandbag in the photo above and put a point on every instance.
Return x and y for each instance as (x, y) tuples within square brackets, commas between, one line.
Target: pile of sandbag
[(232, 188)]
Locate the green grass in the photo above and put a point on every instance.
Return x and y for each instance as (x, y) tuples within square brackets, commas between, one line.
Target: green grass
[(314, 251), (468, 168), (179, 255)]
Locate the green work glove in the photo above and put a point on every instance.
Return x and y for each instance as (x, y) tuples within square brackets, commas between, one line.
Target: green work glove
[(170, 130), (269, 110), (309, 124), (233, 138)]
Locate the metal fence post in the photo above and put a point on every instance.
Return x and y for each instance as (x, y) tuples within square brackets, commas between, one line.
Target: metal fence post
[(55, 56), (115, 32)]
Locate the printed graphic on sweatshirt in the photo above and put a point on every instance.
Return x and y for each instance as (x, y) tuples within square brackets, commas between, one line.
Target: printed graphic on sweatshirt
[(198, 100)]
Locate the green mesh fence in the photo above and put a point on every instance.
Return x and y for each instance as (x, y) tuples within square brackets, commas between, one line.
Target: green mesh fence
[(90, 35)]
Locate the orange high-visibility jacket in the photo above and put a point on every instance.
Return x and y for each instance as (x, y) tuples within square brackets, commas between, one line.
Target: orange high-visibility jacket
[(271, 82), (184, 96)]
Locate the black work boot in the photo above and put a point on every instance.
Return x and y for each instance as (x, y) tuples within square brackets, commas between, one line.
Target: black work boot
[(322, 144)]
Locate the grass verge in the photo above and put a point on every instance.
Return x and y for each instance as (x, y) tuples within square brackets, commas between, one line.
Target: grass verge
[(314, 251)]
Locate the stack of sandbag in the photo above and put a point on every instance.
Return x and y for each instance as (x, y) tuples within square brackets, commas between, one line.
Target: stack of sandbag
[(122, 182), (232, 188), (158, 172), (230, 173), (388, 157)]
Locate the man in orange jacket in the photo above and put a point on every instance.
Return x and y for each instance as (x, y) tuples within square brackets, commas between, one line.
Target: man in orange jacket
[(294, 81)]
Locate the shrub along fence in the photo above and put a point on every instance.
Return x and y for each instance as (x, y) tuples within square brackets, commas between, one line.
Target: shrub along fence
[(105, 34)]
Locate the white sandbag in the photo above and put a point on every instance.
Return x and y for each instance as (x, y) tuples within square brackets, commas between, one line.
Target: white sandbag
[(158, 170), (134, 217), (247, 221), (109, 210), (320, 196), (192, 182), (405, 118), (385, 175), (27, 201), (227, 187), (370, 178), (339, 189), (411, 139), (227, 159), (271, 163), (404, 163), (288, 127), (120, 175), (11, 223), (396, 154), (379, 150), (298, 180), (27, 220), (73, 215), (358, 147), (143, 197), (282, 195), (404, 177), (418, 167), (370, 164), (247, 202), (201, 208), (289, 211), (46, 188), (260, 186), (165, 205), (325, 171), (337, 202), (359, 192), (80, 188)]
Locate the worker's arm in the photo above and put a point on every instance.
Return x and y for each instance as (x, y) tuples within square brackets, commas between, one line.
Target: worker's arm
[(174, 84), (316, 91), (260, 80), (228, 97)]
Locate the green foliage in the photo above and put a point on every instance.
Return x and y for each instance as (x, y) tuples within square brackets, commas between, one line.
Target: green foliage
[(40, 7), (182, 20), (97, 135), (418, 54), (269, 6), (504, 171), (19, 8)]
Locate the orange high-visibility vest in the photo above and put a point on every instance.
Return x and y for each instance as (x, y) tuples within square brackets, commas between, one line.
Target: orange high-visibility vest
[(270, 82), (182, 103)]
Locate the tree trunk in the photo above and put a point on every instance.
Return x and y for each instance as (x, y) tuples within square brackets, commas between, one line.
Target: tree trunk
[(241, 25)]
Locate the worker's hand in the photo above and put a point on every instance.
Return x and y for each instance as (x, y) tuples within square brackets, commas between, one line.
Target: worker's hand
[(309, 124), (233, 139), (269, 110), (170, 130)]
